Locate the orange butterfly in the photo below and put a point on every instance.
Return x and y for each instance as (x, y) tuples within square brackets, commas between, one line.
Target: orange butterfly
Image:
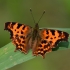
[(40, 41)]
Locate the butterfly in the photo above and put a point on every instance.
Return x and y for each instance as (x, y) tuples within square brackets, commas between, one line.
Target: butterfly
[(41, 41)]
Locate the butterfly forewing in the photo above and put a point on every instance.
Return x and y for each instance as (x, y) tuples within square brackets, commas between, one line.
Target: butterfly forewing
[(55, 36), (20, 35)]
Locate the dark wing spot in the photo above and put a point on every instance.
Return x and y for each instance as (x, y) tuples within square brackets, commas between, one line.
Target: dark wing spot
[(24, 27), (21, 32), (21, 49), (47, 37), (21, 45), (17, 31), (53, 32), (13, 23), (19, 25), (23, 41), (16, 35), (44, 41), (60, 33), (16, 45), (39, 52), (54, 37), (50, 42), (51, 38), (6, 28), (47, 32), (6, 25), (66, 35), (22, 37)]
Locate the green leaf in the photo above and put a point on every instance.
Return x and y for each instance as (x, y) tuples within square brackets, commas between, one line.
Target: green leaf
[(9, 58)]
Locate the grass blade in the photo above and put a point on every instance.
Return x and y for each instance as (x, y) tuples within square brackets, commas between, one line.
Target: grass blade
[(9, 58)]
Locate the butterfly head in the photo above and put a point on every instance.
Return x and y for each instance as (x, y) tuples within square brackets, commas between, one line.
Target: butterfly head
[(36, 26)]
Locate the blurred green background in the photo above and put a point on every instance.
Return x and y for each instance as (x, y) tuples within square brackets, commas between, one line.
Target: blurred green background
[(57, 15)]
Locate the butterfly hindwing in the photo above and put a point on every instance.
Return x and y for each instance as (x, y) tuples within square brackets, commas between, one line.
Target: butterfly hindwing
[(42, 45), (19, 35)]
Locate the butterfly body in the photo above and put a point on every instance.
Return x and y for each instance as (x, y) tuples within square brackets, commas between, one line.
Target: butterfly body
[(41, 41), (35, 32)]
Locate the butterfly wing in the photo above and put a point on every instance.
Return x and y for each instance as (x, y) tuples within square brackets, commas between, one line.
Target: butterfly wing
[(20, 35), (55, 36), (49, 39)]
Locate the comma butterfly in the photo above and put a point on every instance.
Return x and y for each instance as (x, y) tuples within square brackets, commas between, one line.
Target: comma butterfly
[(41, 41)]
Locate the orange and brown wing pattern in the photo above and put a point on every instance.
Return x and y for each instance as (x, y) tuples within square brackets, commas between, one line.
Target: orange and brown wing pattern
[(19, 35), (55, 36), (49, 40), (42, 45)]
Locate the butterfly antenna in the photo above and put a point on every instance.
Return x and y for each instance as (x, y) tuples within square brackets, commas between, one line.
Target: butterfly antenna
[(32, 15), (41, 16)]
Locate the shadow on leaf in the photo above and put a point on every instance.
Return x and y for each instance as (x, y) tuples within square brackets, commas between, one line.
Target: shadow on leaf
[(61, 44)]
